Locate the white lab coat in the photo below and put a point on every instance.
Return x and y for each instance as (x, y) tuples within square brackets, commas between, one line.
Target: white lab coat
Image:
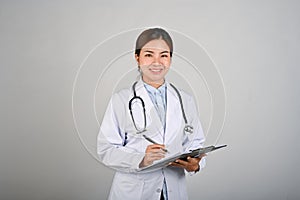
[(125, 156)]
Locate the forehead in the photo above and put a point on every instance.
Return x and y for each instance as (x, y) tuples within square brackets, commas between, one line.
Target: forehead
[(156, 45)]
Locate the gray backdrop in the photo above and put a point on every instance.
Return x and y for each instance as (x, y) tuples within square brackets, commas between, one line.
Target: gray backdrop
[(254, 44)]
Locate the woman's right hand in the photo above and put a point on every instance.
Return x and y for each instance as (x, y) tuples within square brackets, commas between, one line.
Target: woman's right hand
[(153, 152)]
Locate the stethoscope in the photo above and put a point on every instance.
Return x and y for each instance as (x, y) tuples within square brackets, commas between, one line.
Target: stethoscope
[(188, 129)]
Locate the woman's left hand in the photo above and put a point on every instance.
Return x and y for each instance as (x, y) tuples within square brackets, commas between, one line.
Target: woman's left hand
[(191, 165)]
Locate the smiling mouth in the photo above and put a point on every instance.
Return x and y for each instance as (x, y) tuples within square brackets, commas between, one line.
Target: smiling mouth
[(156, 70)]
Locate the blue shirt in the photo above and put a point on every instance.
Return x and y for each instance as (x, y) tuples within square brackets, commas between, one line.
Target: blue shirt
[(161, 90)]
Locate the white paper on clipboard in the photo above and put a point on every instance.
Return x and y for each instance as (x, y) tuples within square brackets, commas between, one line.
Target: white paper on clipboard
[(195, 153)]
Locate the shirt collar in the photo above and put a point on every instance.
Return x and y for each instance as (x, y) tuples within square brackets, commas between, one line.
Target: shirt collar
[(152, 89)]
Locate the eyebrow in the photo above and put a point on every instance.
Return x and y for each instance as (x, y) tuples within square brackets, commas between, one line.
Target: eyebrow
[(164, 52), (148, 51)]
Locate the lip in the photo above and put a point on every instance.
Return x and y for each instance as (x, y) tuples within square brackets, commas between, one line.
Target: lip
[(156, 70)]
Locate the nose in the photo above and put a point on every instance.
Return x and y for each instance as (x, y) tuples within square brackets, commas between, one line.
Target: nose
[(156, 60)]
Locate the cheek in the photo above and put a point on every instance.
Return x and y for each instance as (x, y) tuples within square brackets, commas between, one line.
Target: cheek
[(167, 62), (145, 61)]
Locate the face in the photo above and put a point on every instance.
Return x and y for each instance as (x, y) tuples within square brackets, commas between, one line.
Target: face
[(154, 61)]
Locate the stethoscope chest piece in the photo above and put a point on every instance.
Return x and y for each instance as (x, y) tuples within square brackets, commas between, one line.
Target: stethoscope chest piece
[(188, 129)]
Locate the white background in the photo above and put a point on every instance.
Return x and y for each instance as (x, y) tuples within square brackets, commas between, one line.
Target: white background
[(255, 45)]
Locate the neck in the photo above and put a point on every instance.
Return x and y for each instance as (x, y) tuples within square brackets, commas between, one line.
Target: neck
[(154, 84)]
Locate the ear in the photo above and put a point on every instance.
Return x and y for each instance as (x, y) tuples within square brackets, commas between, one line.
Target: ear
[(136, 57), (170, 62)]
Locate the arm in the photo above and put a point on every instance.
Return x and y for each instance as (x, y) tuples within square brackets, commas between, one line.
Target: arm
[(193, 141), (110, 139), (111, 147)]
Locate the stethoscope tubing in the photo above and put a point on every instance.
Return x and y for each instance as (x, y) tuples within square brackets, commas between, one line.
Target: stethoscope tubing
[(187, 129)]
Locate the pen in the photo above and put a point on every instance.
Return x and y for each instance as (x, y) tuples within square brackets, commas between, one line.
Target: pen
[(152, 141)]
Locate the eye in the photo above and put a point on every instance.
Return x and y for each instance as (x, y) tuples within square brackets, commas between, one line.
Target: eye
[(148, 55), (164, 55)]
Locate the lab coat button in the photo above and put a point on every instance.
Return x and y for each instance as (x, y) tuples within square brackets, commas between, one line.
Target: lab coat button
[(158, 190)]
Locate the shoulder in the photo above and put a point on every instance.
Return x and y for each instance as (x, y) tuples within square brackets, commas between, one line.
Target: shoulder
[(121, 95), (123, 92)]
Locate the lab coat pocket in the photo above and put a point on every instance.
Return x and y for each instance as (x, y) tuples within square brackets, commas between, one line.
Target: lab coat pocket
[(126, 186)]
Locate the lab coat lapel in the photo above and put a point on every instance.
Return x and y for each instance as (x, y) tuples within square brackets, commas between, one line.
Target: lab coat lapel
[(173, 114)]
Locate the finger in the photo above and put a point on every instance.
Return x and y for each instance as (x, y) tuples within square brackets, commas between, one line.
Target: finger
[(155, 146), (196, 159), (190, 159), (174, 164), (154, 157), (156, 151), (182, 162), (155, 154), (193, 161)]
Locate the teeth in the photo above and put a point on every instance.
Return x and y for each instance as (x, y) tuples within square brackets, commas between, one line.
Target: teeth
[(155, 70)]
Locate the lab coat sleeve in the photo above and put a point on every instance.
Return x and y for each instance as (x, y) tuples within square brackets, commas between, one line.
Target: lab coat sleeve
[(110, 140), (197, 138)]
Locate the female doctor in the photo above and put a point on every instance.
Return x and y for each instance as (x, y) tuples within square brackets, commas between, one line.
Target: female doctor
[(120, 144)]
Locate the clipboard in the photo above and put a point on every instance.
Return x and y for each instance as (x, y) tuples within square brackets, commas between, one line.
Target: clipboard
[(194, 154), (197, 152)]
